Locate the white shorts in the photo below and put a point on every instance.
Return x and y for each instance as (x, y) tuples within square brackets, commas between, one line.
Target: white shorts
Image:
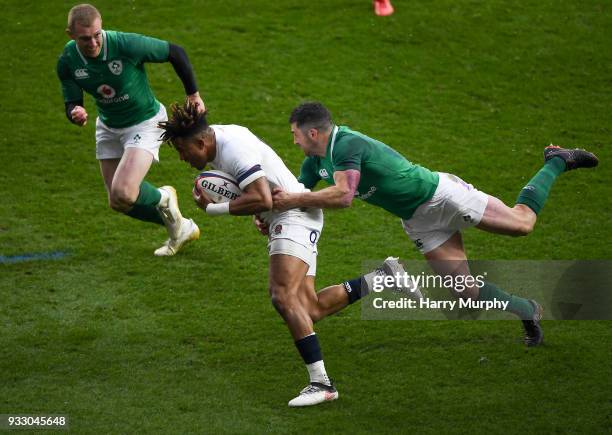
[(297, 240), (454, 206), (112, 142), (295, 249)]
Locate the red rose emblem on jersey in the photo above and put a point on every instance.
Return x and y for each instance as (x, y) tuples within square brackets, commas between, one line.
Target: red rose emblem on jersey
[(106, 91)]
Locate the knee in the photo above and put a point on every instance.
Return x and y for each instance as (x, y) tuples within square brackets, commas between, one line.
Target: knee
[(281, 301), (121, 199), (316, 313)]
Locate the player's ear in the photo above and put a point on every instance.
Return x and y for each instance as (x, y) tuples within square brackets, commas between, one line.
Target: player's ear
[(313, 133), (69, 33), (200, 142)]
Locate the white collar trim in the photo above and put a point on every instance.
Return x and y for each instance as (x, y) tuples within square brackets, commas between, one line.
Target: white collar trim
[(105, 48), (333, 141)]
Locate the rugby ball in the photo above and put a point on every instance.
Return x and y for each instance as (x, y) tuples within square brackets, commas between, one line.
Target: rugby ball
[(218, 185)]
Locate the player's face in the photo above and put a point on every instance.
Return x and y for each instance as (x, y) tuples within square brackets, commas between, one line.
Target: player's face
[(306, 140), (88, 39), (193, 151)]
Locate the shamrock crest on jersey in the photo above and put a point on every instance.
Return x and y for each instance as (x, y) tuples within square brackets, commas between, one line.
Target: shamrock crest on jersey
[(116, 67), (116, 77)]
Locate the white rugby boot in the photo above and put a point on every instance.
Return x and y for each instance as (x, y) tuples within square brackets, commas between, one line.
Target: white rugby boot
[(169, 210), (189, 232), (180, 229), (313, 394), (403, 281)]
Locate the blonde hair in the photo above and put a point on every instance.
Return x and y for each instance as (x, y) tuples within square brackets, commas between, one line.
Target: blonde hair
[(84, 14)]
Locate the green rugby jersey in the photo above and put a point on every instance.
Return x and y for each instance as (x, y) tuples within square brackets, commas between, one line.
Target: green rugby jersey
[(388, 179), (116, 78)]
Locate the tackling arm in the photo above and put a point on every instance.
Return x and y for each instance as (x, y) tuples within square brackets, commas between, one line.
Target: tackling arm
[(338, 196)]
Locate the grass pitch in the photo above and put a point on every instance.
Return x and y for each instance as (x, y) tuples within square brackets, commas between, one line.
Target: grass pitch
[(123, 342)]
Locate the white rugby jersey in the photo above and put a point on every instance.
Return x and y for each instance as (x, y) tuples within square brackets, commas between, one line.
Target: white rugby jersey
[(246, 157), (242, 154)]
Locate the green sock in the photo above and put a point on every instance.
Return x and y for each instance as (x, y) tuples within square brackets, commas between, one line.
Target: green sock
[(516, 305), (534, 194), (144, 207)]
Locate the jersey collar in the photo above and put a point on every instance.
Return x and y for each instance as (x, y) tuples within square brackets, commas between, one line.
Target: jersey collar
[(104, 45), (332, 141), (104, 49)]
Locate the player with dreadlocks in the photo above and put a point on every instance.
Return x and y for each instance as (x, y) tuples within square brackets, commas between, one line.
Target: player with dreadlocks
[(293, 236)]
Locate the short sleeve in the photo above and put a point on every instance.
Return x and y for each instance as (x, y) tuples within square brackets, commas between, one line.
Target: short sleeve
[(70, 89), (308, 173), (348, 153), (142, 48), (244, 162)]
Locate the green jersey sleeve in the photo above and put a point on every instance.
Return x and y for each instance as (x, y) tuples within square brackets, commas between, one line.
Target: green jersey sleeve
[(142, 48), (70, 89), (348, 153), (308, 173)]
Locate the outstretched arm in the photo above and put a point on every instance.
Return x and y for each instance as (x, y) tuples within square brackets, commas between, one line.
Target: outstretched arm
[(340, 195), (180, 62)]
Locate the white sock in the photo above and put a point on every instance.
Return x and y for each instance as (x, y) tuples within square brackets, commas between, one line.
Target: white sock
[(317, 372)]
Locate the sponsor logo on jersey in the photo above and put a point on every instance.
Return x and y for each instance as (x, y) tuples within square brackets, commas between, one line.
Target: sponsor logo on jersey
[(366, 195), (108, 94), (278, 229), (106, 91), (81, 73), (137, 138), (323, 173), (115, 66), (468, 218)]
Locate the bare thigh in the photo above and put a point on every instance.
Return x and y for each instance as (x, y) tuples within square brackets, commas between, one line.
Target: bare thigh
[(107, 169), (122, 177), (132, 169), (500, 219)]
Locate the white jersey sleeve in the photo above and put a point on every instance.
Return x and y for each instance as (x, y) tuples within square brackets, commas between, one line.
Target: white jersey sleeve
[(238, 154), (246, 157)]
